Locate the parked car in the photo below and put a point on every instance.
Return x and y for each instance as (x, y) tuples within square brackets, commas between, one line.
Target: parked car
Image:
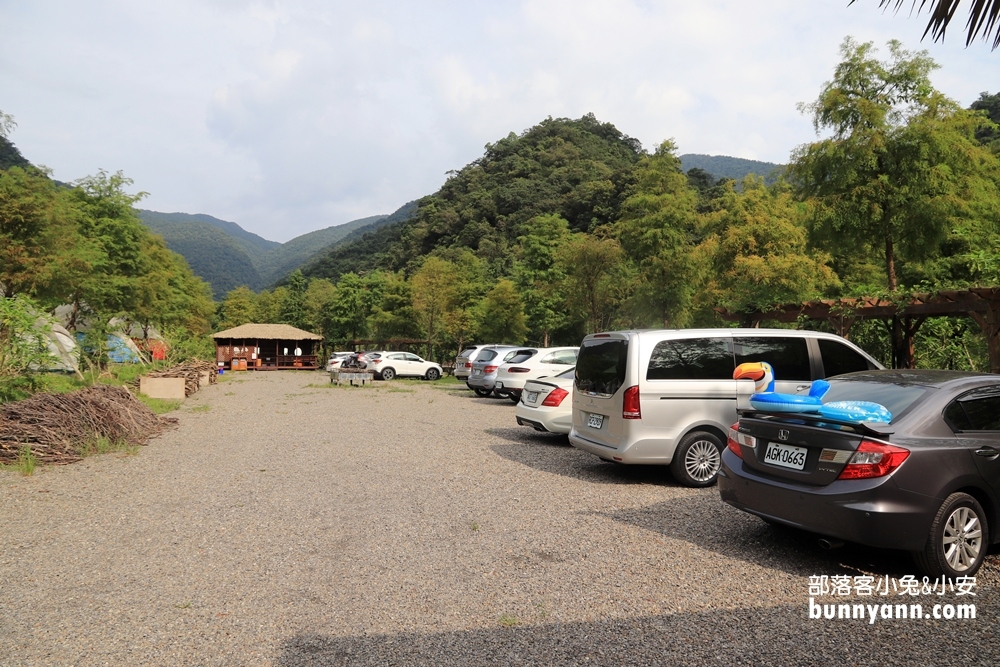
[(547, 404), (463, 362), (545, 361), (336, 359), (484, 368), (667, 397), (389, 365), (928, 482)]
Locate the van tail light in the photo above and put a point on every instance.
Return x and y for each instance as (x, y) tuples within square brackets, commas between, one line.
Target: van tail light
[(555, 397), (735, 439), (630, 404), (490, 369), (873, 459)]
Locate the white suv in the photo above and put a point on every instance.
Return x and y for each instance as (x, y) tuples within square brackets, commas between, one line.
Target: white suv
[(389, 365), (668, 397)]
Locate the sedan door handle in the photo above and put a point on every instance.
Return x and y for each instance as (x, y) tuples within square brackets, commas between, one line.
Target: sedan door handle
[(987, 452)]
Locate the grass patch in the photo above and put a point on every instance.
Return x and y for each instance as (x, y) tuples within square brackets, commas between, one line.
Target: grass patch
[(509, 621), (26, 461), (400, 390), (230, 393), (104, 445), (201, 408), (160, 405)]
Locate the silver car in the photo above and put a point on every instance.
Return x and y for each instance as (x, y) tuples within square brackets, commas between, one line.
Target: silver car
[(463, 362), (669, 397), (483, 377)]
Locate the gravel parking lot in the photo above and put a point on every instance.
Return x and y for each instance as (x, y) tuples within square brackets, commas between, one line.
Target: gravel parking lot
[(291, 523)]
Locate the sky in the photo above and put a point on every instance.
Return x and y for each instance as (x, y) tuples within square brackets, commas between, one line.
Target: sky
[(289, 116)]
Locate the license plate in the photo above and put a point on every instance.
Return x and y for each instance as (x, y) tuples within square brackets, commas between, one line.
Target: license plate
[(498, 385), (530, 396), (785, 456), (595, 421), (477, 372)]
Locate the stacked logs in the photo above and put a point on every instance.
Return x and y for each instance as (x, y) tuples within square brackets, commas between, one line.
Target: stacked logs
[(191, 371), (57, 426)]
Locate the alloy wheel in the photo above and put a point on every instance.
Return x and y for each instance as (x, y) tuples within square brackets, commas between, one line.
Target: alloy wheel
[(702, 460), (963, 539)]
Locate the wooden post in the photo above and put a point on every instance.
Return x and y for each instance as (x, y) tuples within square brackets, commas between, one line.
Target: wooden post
[(989, 322)]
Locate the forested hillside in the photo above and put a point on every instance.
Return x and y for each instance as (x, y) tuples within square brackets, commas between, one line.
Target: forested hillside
[(227, 256), (576, 169), (10, 156), (735, 168), (286, 257)]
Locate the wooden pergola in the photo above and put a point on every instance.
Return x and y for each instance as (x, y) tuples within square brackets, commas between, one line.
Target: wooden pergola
[(982, 304)]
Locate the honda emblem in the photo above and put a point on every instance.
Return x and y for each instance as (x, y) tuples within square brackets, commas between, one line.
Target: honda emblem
[(782, 434)]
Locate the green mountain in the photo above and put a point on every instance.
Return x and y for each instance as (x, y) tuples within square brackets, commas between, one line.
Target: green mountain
[(723, 166), (214, 254), (10, 156), (227, 256), (358, 250), (578, 169), (285, 258)]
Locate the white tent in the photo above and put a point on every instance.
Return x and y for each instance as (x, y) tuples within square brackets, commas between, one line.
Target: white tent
[(60, 343)]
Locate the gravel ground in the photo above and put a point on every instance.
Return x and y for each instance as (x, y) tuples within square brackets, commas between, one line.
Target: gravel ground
[(289, 524)]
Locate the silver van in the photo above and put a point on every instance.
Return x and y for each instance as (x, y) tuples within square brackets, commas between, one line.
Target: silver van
[(668, 397)]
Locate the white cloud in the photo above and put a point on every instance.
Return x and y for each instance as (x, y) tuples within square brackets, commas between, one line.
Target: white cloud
[(289, 116)]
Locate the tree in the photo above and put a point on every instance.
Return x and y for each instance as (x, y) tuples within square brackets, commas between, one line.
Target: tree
[(41, 249), (984, 18), (501, 314), (597, 281), (899, 162), (434, 292), (293, 307), (395, 316), (989, 105), (758, 252), (657, 231), (540, 277), (23, 350), (239, 307)]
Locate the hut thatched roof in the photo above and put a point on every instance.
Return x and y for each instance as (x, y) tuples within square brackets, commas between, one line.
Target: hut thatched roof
[(267, 332)]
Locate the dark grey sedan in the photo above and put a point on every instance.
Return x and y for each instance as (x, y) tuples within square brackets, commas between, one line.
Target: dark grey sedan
[(928, 482)]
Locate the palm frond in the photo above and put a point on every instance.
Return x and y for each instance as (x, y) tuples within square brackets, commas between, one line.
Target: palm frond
[(984, 18)]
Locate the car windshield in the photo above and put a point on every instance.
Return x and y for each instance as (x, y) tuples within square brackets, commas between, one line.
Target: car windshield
[(896, 398), (468, 353), (486, 355), (520, 358)]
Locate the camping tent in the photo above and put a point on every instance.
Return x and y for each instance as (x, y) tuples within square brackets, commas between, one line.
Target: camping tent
[(121, 348), (60, 343)]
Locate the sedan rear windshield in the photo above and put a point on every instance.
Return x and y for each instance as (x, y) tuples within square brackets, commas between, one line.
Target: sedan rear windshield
[(600, 368), (897, 398)]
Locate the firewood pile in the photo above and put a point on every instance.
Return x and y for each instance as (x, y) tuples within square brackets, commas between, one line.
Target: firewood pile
[(56, 426), (191, 371)]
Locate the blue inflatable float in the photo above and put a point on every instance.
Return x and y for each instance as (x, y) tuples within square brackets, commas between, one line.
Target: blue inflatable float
[(766, 399)]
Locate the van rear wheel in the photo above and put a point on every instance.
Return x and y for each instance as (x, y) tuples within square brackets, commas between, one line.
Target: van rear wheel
[(697, 460)]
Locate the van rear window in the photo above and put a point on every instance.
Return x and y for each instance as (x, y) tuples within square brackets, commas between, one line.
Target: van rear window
[(692, 359), (600, 368)]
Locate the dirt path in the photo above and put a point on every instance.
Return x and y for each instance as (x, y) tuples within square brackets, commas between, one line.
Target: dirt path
[(289, 524)]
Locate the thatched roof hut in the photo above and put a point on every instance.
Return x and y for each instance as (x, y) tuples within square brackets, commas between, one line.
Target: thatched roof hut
[(266, 347)]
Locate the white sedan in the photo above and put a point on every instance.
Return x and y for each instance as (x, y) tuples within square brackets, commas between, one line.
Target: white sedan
[(545, 362), (547, 404), (388, 365)]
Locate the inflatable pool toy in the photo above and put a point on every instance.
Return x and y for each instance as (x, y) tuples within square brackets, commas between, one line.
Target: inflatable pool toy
[(766, 399), (856, 411)]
